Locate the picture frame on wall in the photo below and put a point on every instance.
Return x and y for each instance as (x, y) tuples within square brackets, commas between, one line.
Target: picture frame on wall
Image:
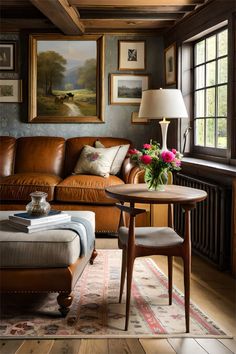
[(132, 55), (8, 56), (127, 88), (10, 91), (135, 119), (66, 79), (170, 64)]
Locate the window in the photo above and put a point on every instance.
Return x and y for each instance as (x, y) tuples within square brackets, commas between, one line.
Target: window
[(210, 93)]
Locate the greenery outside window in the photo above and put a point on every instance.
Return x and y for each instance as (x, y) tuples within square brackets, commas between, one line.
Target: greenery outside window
[(210, 93)]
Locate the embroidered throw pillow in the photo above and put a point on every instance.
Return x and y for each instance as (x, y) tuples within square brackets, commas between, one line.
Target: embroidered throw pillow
[(95, 161), (119, 158)]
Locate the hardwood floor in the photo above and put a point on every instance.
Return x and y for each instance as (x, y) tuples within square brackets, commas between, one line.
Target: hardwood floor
[(213, 291)]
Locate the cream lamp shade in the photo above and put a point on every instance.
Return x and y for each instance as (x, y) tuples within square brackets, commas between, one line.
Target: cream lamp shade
[(162, 103)]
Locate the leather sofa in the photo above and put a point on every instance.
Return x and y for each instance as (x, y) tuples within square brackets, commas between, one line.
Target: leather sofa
[(42, 163)]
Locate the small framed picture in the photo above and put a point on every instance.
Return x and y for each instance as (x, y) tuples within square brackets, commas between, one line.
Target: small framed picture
[(10, 91), (127, 89), (131, 55), (170, 65), (7, 56), (135, 119)]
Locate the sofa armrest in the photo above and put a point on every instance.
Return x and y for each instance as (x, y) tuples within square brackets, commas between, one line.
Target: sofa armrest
[(132, 173)]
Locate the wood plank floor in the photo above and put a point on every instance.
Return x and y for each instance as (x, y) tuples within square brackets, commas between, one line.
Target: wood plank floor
[(213, 291)]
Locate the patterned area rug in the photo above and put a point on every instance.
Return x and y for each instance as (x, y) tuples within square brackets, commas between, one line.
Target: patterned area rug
[(95, 311)]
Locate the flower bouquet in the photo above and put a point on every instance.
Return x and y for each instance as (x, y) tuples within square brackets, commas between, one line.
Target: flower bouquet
[(156, 163)]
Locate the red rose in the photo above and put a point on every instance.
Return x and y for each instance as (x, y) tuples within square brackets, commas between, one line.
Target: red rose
[(167, 156), (147, 146), (146, 159)]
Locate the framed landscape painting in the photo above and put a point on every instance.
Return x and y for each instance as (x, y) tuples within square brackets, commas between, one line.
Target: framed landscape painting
[(131, 55), (127, 89), (7, 56), (10, 91), (66, 79)]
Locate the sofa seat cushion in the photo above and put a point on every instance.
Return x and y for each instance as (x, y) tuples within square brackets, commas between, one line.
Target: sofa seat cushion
[(19, 186), (86, 189)]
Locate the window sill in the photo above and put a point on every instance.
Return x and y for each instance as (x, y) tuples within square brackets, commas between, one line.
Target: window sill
[(211, 166)]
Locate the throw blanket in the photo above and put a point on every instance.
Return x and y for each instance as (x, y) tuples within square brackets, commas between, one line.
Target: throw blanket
[(84, 230)]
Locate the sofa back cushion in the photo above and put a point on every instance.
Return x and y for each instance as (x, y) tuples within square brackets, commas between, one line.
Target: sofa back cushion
[(7, 155), (119, 158), (40, 154), (96, 161), (74, 147)]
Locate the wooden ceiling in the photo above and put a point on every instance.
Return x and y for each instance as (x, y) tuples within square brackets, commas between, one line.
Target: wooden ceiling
[(75, 17)]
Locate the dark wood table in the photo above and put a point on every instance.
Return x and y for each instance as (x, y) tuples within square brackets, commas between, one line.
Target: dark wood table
[(173, 194)]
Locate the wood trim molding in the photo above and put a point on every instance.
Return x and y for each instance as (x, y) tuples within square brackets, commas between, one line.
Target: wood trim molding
[(62, 15), (135, 3)]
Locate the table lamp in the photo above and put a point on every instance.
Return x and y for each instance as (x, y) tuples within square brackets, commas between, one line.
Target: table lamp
[(162, 103)]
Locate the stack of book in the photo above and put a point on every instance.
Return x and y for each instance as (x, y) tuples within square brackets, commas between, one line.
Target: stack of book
[(29, 223)]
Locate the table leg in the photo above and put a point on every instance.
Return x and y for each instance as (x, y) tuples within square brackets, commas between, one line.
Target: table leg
[(187, 265), (123, 272), (130, 264), (170, 278)]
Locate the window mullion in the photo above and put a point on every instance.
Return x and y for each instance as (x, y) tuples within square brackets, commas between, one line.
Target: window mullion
[(205, 97), (216, 95)]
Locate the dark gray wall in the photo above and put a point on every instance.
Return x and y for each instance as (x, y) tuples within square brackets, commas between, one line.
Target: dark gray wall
[(13, 116)]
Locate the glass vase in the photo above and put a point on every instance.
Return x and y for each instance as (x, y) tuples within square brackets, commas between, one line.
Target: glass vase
[(38, 205), (156, 180)]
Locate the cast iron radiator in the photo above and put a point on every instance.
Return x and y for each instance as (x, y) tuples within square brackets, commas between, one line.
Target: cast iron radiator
[(210, 221)]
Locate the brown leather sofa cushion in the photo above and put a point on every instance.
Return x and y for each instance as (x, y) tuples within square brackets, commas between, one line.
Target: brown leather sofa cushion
[(7, 155), (86, 189), (74, 147), (19, 186), (40, 154)]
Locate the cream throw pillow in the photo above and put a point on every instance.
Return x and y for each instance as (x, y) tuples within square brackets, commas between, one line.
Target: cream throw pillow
[(119, 158), (95, 161)]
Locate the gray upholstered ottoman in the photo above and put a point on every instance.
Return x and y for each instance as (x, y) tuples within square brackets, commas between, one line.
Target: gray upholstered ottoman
[(46, 261)]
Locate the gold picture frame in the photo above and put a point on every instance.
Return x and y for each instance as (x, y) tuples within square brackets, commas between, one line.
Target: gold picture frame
[(132, 55), (170, 64), (135, 119), (10, 91), (76, 92), (127, 88)]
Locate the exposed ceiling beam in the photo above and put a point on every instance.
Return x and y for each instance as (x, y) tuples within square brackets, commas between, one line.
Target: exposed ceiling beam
[(160, 9), (61, 14), (12, 3), (21, 12), (97, 14), (11, 25), (125, 3), (123, 24)]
